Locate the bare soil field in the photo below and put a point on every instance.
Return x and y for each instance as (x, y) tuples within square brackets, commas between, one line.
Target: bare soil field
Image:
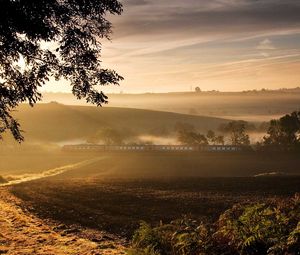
[(118, 205)]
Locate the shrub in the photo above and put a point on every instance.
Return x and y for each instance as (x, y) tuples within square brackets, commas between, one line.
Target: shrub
[(181, 237), (261, 228), (271, 228)]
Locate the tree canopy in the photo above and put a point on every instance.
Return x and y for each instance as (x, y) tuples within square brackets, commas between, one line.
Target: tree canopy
[(237, 132), (53, 38), (285, 131)]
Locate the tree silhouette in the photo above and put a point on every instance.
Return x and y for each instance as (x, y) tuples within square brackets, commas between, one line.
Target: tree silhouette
[(53, 38), (107, 136), (211, 136), (197, 90), (220, 140), (285, 131), (237, 132), (188, 137)]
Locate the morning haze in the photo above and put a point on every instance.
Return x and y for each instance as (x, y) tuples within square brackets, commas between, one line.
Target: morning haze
[(179, 136)]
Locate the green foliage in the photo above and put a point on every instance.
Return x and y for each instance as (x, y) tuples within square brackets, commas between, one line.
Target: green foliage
[(251, 229), (147, 240), (181, 237), (262, 228)]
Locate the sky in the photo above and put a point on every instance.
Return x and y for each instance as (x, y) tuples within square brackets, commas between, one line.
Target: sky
[(226, 45)]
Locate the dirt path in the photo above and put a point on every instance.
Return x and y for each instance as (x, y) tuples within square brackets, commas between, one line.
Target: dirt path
[(50, 172), (22, 233)]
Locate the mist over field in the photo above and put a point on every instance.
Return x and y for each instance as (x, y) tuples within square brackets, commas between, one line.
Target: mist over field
[(143, 127), (255, 106)]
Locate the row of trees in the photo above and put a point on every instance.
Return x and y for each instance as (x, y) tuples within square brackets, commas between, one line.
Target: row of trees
[(235, 130), (186, 134), (282, 132)]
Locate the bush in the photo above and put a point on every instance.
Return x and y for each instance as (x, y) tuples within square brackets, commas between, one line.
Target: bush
[(271, 228)]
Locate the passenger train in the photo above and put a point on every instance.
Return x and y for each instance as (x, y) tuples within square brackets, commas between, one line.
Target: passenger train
[(166, 148)]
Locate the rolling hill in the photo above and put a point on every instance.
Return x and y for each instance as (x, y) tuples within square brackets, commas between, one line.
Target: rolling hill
[(251, 106), (55, 122)]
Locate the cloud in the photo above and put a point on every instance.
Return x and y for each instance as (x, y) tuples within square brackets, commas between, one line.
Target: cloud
[(207, 18), (172, 42), (266, 44), (135, 2)]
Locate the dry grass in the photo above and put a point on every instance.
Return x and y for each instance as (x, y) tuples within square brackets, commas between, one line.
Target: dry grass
[(24, 234)]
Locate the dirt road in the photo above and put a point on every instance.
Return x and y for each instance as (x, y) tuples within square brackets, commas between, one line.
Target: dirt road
[(22, 233), (50, 172)]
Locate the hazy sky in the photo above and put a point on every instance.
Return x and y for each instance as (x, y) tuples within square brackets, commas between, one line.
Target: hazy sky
[(229, 45)]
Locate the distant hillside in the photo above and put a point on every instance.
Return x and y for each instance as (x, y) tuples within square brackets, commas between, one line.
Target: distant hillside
[(55, 122), (250, 105)]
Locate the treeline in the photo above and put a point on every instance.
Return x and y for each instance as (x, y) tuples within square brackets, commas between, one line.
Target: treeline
[(233, 133), (271, 228), (281, 133)]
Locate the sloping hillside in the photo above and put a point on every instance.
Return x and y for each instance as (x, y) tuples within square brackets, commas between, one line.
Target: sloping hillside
[(252, 106), (56, 122)]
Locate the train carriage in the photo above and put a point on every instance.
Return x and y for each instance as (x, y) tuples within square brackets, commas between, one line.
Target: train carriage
[(162, 148)]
